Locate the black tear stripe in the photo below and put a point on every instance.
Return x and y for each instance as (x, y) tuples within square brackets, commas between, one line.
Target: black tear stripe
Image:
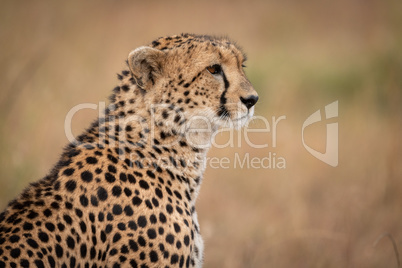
[(222, 111)]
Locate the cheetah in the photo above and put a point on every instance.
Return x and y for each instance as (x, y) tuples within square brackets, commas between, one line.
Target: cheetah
[(123, 193)]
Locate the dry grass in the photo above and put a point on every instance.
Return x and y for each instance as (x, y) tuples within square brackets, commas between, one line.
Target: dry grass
[(302, 56)]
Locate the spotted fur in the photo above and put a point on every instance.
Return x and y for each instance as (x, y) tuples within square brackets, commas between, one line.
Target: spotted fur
[(123, 194)]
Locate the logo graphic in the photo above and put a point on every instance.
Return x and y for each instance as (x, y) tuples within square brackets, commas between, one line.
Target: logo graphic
[(330, 156)]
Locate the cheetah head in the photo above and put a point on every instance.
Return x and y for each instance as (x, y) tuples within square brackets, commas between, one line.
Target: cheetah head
[(194, 81)]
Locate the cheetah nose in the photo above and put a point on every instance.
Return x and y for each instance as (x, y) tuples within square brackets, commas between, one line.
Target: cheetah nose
[(249, 101)]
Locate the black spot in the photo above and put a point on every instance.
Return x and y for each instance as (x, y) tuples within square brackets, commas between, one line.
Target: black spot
[(161, 231), (179, 210), (50, 226), (101, 216), (61, 227), (39, 264), (181, 260), (131, 178), (91, 160), (83, 227), (148, 203), (47, 212), (162, 217), (142, 221), (43, 237), (183, 163), (133, 245), (84, 200), (55, 205), (70, 242), (108, 228), (92, 253), (136, 201), (177, 194), (176, 227), (68, 171), (141, 241), (128, 211), (150, 174), (144, 184), (157, 149), (177, 118), (32, 215), (109, 177), (92, 217), (187, 240), (153, 219), (119, 151), (155, 43), (27, 226), (24, 263), (163, 135), (155, 202), (151, 233), (125, 88), (86, 176), (174, 259), (116, 237), (94, 201), (59, 251), (102, 194), (116, 191), (112, 158), (138, 164), (132, 225), (67, 219), (170, 239), (169, 208), (128, 192), (14, 238), (112, 169), (173, 161), (71, 185), (153, 256), (123, 177), (51, 261), (121, 226), (117, 210), (15, 253), (83, 250), (32, 243), (72, 262), (78, 212), (103, 236)]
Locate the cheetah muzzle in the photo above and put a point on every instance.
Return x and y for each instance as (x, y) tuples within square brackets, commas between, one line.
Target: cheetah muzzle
[(123, 193)]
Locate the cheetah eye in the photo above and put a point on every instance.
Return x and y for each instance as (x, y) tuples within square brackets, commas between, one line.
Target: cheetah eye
[(214, 69), (243, 65)]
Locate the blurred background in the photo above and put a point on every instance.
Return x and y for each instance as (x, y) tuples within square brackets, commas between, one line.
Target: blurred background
[(302, 55)]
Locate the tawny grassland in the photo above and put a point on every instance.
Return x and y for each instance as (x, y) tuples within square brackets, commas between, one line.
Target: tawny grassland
[(302, 55)]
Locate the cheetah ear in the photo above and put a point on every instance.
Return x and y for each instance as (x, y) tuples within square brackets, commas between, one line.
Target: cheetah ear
[(146, 65)]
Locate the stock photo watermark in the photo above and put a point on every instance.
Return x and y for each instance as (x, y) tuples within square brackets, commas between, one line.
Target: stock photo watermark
[(271, 126)]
